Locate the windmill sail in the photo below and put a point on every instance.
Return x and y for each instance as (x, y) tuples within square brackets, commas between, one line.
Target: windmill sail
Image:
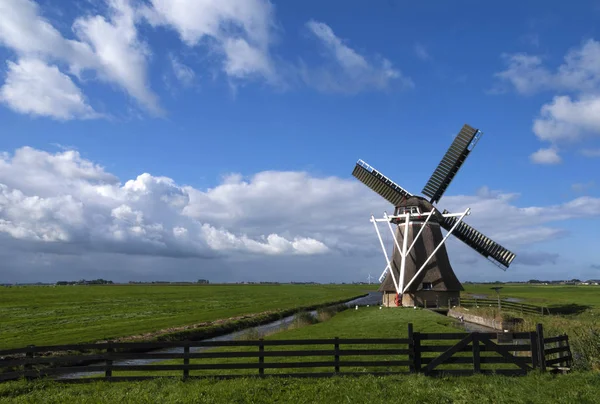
[(479, 242), (379, 183), (451, 162)]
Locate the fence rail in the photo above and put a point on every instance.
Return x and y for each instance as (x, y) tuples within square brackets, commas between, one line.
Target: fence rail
[(523, 308), (429, 353)]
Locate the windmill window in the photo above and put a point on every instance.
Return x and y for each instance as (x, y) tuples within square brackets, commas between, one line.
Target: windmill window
[(427, 286)]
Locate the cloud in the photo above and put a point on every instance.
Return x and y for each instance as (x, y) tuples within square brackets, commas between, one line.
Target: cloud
[(580, 71), (184, 74), (570, 116), (349, 71), (106, 46), (33, 87), (421, 52), (590, 152), (62, 205), (565, 119), (239, 30), (546, 156)]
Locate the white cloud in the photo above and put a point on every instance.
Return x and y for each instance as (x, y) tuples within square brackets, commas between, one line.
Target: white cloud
[(350, 72), (546, 156), (106, 46), (240, 30), (590, 152), (421, 52), (63, 204), (572, 115), (120, 56), (565, 119), (580, 71), (33, 87), (184, 73)]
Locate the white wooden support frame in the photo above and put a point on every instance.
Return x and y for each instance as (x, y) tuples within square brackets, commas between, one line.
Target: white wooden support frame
[(405, 250)]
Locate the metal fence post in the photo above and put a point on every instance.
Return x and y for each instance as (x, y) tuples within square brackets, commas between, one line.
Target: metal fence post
[(261, 357), (336, 347)]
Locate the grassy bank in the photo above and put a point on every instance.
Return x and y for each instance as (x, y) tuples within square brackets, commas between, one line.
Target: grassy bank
[(575, 388), (73, 314), (584, 297)]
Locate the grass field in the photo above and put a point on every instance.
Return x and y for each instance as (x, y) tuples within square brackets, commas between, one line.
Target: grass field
[(72, 314), (581, 387), (578, 388), (550, 295), (581, 324)]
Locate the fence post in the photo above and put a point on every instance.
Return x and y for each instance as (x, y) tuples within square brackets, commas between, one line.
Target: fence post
[(534, 349), (425, 303), (458, 301), (476, 305), (437, 302), (541, 347), (109, 362), (186, 361), (565, 343), (27, 366), (336, 347), (261, 357), (476, 359)]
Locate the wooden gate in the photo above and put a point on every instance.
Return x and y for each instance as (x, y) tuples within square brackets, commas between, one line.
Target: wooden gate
[(500, 353)]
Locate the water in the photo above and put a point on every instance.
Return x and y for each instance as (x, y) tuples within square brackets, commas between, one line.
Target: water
[(373, 298)]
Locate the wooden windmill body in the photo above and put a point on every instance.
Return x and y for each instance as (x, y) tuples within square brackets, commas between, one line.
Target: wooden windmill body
[(419, 272)]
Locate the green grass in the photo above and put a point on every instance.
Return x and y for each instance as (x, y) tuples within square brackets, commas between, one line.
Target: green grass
[(73, 314), (581, 321), (575, 388), (363, 323), (550, 295)]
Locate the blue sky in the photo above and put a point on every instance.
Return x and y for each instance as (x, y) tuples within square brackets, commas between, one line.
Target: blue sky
[(297, 92)]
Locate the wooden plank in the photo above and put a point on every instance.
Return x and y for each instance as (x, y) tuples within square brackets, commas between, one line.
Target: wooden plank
[(469, 360), (11, 375), (522, 362), (559, 349), (51, 359), (280, 365), (555, 339), (443, 348), (447, 354), (457, 372), (552, 362), (440, 336)]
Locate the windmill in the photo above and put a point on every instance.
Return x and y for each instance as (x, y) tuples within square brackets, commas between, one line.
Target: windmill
[(369, 278), (419, 272)]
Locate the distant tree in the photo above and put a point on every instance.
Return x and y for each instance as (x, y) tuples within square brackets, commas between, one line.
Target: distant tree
[(203, 281)]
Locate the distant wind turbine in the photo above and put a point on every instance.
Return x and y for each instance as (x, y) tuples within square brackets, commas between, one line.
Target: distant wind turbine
[(369, 278)]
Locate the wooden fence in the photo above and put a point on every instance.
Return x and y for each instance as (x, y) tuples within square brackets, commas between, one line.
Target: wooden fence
[(522, 308), (428, 353)]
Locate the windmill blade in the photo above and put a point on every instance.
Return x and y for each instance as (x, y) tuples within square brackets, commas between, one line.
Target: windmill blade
[(379, 183), (480, 243), (451, 162)]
